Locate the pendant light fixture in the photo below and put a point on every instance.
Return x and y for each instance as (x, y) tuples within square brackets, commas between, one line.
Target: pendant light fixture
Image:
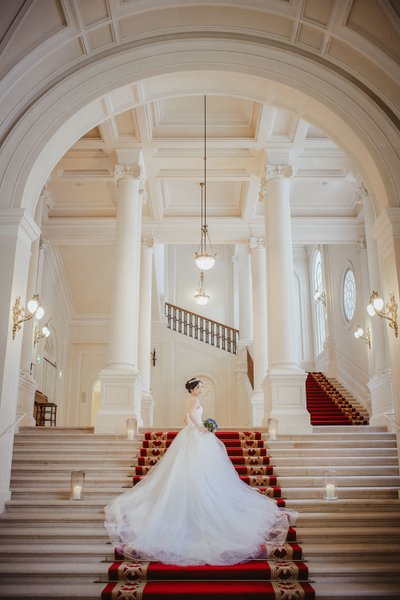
[(201, 296), (205, 257)]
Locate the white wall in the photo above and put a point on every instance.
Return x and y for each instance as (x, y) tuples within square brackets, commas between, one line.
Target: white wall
[(351, 354)]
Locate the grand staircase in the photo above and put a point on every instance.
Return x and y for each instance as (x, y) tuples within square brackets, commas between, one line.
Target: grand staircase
[(52, 547)]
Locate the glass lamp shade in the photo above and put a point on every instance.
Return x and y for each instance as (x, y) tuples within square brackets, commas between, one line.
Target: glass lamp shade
[(39, 313), (131, 429), (33, 306), (77, 484), (204, 261), (45, 331), (370, 310), (358, 332), (378, 304), (201, 297), (330, 485)]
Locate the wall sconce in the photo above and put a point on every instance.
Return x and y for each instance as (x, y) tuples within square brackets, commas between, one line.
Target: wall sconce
[(387, 311), (44, 332), (153, 357), (358, 334), (20, 314), (321, 297)]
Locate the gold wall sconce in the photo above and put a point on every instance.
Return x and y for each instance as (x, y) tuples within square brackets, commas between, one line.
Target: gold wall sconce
[(388, 310), (21, 314), (153, 357), (359, 335), (320, 296), (44, 332)]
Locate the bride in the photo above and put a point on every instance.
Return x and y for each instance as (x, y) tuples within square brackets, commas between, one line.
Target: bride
[(192, 508)]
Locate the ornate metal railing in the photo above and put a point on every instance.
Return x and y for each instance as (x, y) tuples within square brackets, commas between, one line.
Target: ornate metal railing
[(202, 329)]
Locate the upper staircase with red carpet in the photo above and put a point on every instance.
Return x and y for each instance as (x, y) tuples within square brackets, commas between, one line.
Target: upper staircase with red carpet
[(278, 573), (328, 405)]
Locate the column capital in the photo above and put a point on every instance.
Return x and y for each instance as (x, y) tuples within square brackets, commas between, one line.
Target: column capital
[(278, 171), (360, 244), (361, 194), (127, 172), (256, 243), (44, 244), (148, 243)]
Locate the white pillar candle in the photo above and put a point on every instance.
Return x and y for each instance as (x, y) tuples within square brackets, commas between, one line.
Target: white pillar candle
[(330, 492), (131, 434), (76, 492), (272, 434)]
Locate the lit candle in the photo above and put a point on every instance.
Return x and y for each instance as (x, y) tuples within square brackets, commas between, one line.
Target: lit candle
[(131, 434), (272, 434), (76, 492), (330, 491)]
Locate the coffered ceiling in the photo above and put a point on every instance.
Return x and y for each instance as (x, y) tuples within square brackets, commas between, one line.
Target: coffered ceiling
[(241, 136)]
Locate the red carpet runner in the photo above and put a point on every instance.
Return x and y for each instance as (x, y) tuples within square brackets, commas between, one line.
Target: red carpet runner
[(279, 576), (327, 406)]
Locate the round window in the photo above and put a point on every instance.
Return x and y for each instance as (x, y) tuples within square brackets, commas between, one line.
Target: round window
[(349, 294)]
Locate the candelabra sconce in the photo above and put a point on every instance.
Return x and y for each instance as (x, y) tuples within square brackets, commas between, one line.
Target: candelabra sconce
[(153, 357), (131, 429), (77, 485), (320, 296), (387, 310), (358, 334), (44, 332), (21, 314), (272, 429), (330, 485)]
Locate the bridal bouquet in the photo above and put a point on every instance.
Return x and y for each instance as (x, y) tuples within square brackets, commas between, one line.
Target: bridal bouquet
[(211, 425)]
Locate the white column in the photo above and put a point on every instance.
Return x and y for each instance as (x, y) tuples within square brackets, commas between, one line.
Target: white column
[(145, 304), (285, 398), (17, 232), (260, 341), (380, 382), (121, 386), (244, 287)]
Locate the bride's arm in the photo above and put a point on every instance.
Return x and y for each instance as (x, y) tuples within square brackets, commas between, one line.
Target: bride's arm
[(190, 415)]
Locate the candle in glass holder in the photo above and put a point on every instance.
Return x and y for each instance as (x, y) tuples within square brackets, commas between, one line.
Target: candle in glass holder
[(76, 492), (272, 434), (330, 491), (130, 434)]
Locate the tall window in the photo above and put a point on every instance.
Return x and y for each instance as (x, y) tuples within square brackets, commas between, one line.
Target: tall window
[(319, 308), (349, 294)]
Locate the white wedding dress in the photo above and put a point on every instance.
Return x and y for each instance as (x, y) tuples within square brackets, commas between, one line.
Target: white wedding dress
[(192, 508)]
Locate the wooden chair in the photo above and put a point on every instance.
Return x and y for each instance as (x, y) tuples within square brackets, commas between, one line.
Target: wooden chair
[(44, 411)]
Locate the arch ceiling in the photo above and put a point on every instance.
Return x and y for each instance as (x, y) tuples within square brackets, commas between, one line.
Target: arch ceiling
[(356, 40)]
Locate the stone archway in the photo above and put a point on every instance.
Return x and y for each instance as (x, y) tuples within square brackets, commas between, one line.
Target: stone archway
[(112, 84)]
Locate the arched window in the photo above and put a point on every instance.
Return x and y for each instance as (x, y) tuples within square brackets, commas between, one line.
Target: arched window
[(319, 305), (349, 294)]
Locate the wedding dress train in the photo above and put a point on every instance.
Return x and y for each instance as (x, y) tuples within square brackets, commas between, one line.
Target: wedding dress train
[(192, 508)]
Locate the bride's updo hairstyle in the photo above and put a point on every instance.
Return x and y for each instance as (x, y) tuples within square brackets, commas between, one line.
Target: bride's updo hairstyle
[(192, 384)]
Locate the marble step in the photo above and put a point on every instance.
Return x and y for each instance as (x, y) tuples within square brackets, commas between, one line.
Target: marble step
[(19, 483), (341, 470), (342, 505), (89, 552), (316, 519), (333, 453), (107, 494), (43, 591), (341, 553), (31, 536), (356, 591), (336, 461), (340, 443)]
